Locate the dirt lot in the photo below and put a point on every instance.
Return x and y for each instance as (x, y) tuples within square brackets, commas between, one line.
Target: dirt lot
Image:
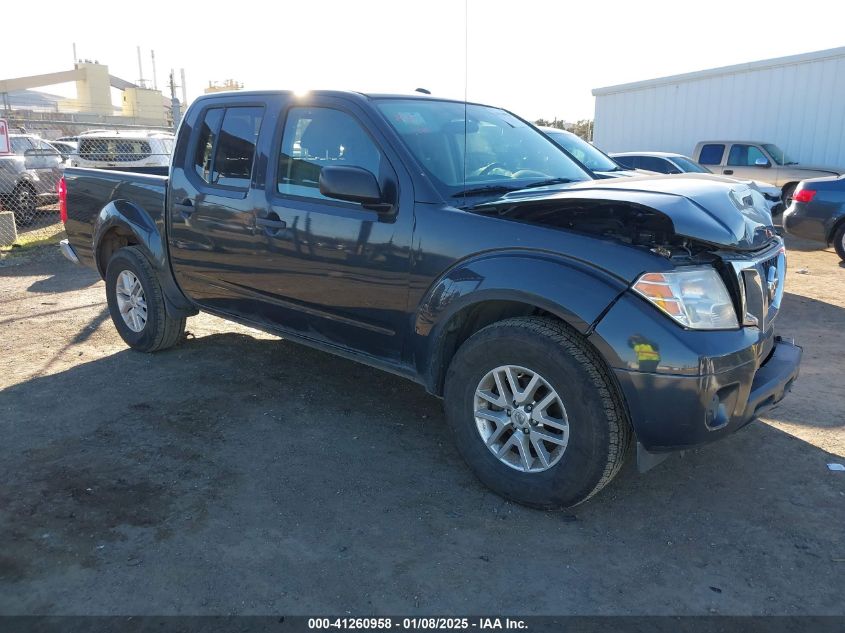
[(239, 473)]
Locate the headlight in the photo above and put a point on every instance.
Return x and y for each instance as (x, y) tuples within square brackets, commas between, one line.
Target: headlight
[(695, 297)]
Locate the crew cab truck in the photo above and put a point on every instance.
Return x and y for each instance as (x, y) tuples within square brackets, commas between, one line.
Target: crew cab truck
[(560, 317)]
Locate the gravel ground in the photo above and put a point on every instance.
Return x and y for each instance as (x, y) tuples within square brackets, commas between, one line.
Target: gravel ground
[(242, 474)]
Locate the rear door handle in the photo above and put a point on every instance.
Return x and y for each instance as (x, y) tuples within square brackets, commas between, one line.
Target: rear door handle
[(185, 208), (728, 172), (271, 226)]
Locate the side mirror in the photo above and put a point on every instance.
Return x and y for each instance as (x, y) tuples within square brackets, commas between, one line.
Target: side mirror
[(353, 184), (762, 162)]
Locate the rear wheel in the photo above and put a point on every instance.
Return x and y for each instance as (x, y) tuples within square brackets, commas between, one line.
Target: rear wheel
[(535, 413), (24, 204), (839, 241), (136, 303)]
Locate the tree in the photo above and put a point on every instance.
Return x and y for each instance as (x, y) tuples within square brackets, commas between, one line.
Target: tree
[(583, 128)]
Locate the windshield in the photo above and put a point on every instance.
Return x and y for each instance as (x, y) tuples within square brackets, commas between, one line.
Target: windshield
[(584, 152), (688, 166), (778, 154), (502, 152)]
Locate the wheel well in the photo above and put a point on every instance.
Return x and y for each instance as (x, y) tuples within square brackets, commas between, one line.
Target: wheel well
[(788, 185), (832, 235), (114, 239), (467, 322)]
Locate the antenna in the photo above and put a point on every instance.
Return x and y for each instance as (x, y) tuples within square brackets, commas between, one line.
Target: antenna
[(155, 81), (141, 81), (466, 72)]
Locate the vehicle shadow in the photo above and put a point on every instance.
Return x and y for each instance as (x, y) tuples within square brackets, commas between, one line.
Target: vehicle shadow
[(799, 244), (295, 481), (59, 274), (812, 324)]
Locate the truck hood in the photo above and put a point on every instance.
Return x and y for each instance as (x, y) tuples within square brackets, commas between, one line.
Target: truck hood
[(709, 209)]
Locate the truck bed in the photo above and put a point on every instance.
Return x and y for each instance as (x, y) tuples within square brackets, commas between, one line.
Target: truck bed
[(91, 192)]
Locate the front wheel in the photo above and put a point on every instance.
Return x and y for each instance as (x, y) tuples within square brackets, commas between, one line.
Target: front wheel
[(137, 305), (535, 413)]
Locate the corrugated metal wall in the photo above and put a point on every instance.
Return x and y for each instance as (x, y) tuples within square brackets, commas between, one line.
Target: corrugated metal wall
[(799, 105)]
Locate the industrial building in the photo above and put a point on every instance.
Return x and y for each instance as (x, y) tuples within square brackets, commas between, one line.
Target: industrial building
[(796, 102), (43, 112)]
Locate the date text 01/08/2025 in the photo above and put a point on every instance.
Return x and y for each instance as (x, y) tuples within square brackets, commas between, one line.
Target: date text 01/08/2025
[(422, 623)]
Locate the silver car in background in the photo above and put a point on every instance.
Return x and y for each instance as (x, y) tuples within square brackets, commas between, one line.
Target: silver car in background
[(671, 163), (28, 176)]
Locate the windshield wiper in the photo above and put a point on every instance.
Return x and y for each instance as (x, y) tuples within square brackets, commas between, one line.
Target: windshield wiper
[(478, 191), (550, 181)]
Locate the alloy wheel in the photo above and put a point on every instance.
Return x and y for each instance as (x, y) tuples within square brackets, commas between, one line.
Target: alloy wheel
[(521, 418)]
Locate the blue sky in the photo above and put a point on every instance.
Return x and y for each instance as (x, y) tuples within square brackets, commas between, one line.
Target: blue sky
[(535, 57)]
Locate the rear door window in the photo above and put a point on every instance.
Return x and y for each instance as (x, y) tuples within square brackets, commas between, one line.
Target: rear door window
[(204, 153), (225, 148), (631, 162), (652, 163), (20, 144), (235, 151), (711, 154)]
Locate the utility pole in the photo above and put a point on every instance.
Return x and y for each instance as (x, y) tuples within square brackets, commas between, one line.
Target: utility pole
[(141, 81), (184, 89), (155, 80), (174, 103)]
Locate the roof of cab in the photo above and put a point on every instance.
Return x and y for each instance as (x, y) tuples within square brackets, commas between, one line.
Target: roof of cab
[(333, 93)]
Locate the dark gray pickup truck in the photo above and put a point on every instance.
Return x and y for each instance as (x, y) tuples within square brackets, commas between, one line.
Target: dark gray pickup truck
[(559, 316)]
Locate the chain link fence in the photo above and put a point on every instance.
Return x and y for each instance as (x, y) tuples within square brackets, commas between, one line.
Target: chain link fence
[(32, 168)]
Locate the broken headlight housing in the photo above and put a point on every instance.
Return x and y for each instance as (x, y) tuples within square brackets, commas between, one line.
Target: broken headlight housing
[(694, 297)]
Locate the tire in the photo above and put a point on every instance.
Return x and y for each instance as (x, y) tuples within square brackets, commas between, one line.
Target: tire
[(157, 330), (23, 203), (598, 431), (839, 240), (787, 191)]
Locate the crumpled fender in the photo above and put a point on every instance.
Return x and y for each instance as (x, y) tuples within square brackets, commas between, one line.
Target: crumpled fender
[(569, 289)]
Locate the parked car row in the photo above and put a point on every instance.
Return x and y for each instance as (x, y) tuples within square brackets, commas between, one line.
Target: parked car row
[(629, 164), (30, 173)]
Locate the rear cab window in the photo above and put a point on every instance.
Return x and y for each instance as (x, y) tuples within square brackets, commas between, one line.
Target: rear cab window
[(711, 154)]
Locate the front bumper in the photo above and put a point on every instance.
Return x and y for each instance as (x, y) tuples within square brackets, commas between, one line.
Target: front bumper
[(672, 412), (67, 250)]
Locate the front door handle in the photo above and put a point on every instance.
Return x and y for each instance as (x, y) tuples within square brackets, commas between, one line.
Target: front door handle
[(271, 225), (185, 208), (728, 172)]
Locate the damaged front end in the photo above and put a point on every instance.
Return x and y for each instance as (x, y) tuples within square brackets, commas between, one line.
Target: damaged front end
[(651, 212), (716, 358)]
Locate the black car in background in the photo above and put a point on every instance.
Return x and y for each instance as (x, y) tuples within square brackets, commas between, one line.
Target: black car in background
[(817, 212)]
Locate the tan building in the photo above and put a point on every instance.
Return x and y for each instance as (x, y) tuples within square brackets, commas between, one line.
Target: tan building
[(226, 86)]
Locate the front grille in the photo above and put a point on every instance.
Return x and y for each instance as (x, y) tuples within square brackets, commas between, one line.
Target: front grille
[(761, 283)]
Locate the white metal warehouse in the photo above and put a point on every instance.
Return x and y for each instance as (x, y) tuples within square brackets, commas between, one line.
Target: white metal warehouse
[(796, 102)]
